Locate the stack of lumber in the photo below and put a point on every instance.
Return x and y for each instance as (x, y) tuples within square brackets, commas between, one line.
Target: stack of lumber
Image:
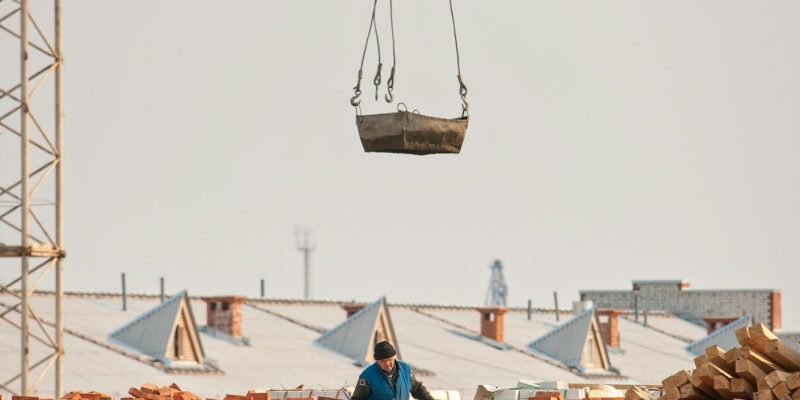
[(763, 368), (638, 393), (149, 391)]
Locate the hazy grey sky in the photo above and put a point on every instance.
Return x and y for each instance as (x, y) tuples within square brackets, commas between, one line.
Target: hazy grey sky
[(608, 141)]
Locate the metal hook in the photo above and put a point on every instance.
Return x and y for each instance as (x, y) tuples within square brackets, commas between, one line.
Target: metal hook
[(377, 80), (355, 101), (462, 90), (389, 87)]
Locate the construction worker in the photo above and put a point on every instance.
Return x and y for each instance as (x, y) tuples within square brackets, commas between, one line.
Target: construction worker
[(388, 378)]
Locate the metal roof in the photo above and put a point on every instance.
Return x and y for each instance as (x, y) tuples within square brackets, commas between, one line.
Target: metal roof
[(284, 354), (355, 336), (151, 332), (724, 337), (566, 342)]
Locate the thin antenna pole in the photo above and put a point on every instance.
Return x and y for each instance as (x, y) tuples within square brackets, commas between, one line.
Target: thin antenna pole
[(555, 299), (305, 243), (124, 294), (530, 304)]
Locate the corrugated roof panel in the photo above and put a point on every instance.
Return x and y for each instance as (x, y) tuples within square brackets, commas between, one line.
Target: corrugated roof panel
[(354, 336), (566, 342), (724, 337), (151, 332)]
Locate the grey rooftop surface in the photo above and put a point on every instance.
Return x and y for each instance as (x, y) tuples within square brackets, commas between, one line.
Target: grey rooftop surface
[(283, 352)]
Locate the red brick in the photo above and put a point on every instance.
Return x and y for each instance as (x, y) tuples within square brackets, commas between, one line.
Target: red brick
[(149, 388)]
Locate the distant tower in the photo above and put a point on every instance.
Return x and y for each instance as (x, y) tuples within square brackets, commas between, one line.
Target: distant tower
[(304, 239), (496, 296)]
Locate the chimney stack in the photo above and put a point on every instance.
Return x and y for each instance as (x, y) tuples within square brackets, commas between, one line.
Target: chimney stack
[(352, 308), (224, 313), (492, 322), (609, 326), (712, 324)]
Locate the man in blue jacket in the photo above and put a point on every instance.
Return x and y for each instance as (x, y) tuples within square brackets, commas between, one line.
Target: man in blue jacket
[(388, 378)]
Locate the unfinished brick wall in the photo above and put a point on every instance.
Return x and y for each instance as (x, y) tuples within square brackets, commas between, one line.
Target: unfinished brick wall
[(674, 296)]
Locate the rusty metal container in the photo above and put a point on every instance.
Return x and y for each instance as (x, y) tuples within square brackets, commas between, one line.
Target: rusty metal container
[(411, 133)]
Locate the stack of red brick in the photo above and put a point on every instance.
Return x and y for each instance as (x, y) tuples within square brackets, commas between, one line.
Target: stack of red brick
[(251, 395), (149, 391), (763, 368), (73, 395)]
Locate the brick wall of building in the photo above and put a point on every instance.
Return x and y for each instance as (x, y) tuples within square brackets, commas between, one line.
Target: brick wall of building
[(673, 296)]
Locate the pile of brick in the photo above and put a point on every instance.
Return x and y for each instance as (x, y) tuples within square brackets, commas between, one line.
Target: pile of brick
[(763, 368), (73, 395), (254, 395), (149, 391), (78, 395)]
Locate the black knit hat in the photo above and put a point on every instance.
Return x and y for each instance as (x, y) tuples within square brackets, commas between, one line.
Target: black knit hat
[(384, 350)]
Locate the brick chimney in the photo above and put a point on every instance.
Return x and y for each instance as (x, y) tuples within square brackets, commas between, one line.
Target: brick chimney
[(775, 310), (609, 326), (224, 313), (352, 308), (492, 322), (714, 323)]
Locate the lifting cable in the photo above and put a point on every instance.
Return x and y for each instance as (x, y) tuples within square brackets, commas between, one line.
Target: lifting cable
[(462, 88), (390, 83), (355, 101)]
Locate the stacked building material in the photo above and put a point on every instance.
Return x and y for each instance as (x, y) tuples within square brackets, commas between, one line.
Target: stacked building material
[(149, 391), (763, 368), (78, 395)]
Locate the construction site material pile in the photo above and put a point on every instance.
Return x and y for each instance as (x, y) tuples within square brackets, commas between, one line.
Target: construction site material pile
[(762, 368)]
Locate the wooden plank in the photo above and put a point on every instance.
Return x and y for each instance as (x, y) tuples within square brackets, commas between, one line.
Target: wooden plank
[(676, 380), (774, 378), (760, 333), (731, 355), (691, 392), (716, 355), (701, 386), (796, 395), (782, 392), (763, 362), (722, 385), (700, 360), (782, 354), (741, 388), (793, 381), (748, 370), (744, 339), (764, 395), (638, 393), (708, 371), (672, 393)]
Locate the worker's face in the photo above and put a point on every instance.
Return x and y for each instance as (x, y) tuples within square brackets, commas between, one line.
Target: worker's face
[(387, 364)]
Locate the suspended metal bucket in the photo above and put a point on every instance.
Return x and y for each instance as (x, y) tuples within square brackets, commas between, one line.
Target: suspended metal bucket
[(411, 133), (407, 132)]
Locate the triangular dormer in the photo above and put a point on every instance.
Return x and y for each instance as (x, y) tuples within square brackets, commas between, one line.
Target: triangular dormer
[(577, 343), (358, 334), (724, 337), (167, 332)]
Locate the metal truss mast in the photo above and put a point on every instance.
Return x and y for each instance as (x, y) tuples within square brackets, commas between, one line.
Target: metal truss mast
[(31, 212)]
